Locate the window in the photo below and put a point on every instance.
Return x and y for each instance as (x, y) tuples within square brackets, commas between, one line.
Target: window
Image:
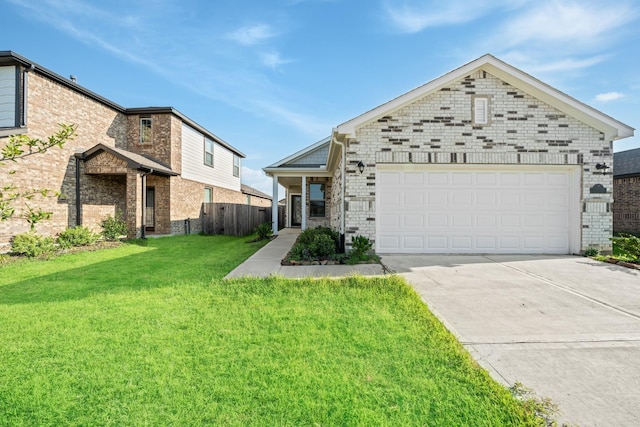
[(481, 111), (145, 130), (208, 152), (208, 195), (316, 200), (236, 165)]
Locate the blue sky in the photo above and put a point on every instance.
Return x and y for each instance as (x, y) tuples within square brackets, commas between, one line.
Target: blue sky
[(274, 76)]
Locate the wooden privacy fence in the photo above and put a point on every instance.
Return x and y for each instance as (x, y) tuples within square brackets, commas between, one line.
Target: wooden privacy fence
[(236, 220)]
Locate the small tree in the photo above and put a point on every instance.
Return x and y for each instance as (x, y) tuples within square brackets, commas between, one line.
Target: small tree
[(18, 147)]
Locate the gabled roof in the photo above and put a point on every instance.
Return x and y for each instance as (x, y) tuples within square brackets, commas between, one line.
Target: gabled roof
[(134, 160), (612, 128), (626, 163), (311, 157), (245, 189)]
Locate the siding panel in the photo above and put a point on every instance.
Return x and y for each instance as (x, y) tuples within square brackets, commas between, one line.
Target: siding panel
[(7, 96), (193, 167)]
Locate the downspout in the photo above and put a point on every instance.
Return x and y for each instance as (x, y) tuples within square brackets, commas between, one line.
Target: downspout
[(78, 201), (342, 190)]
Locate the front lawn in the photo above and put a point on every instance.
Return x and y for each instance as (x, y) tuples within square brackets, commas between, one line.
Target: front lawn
[(152, 335)]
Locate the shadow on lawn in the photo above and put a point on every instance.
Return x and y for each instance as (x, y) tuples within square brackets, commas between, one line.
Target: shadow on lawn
[(160, 264)]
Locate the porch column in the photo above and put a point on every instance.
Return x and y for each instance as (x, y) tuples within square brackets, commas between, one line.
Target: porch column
[(134, 208), (274, 205), (303, 225)]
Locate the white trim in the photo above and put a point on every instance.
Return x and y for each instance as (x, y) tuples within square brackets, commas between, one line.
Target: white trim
[(303, 224)]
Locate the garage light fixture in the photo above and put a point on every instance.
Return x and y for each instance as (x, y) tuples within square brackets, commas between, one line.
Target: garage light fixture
[(602, 167), (361, 166)]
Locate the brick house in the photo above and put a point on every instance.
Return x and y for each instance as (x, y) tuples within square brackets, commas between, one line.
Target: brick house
[(626, 191), (154, 164), (484, 159)]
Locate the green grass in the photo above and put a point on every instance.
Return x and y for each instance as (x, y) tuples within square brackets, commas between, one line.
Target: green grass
[(151, 335)]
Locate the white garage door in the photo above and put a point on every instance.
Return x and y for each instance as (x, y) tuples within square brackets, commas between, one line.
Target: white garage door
[(451, 209)]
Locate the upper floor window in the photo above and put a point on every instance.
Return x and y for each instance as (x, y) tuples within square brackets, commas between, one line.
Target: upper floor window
[(208, 152), (236, 165), (145, 130), (316, 200), (481, 111)]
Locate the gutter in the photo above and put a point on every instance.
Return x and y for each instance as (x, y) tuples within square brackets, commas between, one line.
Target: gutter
[(342, 189)]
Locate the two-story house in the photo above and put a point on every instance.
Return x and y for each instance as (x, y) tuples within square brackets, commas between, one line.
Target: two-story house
[(154, 165)]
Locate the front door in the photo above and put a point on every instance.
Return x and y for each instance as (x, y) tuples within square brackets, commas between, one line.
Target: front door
[(296, 210), (150, 218)]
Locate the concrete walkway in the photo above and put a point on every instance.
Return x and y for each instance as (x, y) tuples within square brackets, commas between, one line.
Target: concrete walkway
[(266, 262)]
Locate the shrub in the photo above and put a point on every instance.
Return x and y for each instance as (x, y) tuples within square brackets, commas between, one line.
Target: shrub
[(309, 235), (113, 226), (360, 250), (264, 231), (31, 244), (591, 252), (315, 244), (76, 236), (628, 245)]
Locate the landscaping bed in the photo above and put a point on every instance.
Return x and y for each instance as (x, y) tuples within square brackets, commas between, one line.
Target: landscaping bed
[(321, 246)]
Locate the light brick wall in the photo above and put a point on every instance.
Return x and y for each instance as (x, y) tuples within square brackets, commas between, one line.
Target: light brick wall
[(439, 129), (626, 207)]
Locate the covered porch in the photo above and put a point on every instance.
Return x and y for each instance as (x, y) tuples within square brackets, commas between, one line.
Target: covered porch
[(111, 180), (311, 196)]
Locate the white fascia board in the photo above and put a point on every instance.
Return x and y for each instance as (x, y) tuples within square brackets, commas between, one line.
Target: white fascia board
[(611, 127), (300, 153), (281, 172)]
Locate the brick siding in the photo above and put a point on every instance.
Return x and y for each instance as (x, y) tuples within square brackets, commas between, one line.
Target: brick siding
[(626, 206), (439, 129)]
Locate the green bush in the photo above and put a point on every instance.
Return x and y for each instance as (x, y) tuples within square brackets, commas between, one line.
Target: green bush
[(264, 231), (360, 251), (77, 236), (591, 252), (113, 226), (315, 244), (628, 245), (31, 244), (309, 235)]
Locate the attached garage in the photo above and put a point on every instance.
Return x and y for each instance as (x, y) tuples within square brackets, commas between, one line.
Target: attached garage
[(477, 209)]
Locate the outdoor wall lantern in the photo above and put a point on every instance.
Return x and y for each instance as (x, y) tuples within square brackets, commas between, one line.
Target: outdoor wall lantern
[(602, 167), (360, 166)]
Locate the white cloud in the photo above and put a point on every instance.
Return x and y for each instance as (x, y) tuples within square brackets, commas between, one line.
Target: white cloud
[(411, 16), (574, 24), (609, 96), (252, 34), (274, 60), (257, 179)]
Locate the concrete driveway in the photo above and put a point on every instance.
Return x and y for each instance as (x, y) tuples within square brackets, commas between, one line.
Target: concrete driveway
[(567, 327)]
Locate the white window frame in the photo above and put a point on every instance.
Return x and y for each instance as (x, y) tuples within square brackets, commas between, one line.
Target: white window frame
[(146, 137), (207, 153), (481, 110), (236, 166), (208, 195)]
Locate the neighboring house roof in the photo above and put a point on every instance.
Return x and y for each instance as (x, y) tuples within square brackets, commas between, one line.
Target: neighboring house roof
[(253, 192), (8, 57), (613, 129), (626, 163), (134, 160)]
